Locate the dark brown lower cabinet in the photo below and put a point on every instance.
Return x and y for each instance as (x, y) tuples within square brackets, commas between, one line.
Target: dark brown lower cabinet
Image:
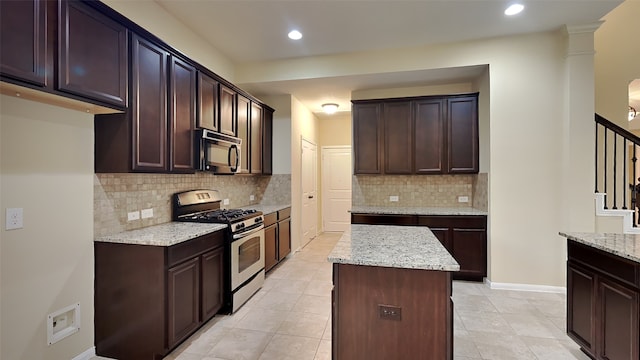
[(390, 313), (270, 245), (602, 303), (464, 236), (284, 238), (148, 299), (277, 237)]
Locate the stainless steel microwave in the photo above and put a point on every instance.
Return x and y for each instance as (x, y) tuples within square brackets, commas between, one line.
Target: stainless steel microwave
[(219, 153)]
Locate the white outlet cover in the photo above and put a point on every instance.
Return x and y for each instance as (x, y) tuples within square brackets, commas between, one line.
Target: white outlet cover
[(14, 219), (147, 213), (463, 199), (134, 215), (251, 197), (394, 198), (225, 202)]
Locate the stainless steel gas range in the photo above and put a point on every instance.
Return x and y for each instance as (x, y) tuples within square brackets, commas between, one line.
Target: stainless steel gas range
[(244, 245)]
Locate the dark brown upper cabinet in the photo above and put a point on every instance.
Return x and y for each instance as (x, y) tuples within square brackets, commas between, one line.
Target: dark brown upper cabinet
[(255, 134), (367, 138), (207, 102), (244, 114), (66, 48), (228, 111), (23, 41), (419, 135), (156, 133), (92, 55), (267, 141)]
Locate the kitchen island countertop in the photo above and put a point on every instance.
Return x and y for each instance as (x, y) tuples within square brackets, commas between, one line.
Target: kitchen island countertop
[(166, 234), (413, 210), (623, 245), (406, 247)]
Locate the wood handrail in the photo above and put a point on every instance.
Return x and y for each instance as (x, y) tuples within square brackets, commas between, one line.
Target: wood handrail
[(618, 130)]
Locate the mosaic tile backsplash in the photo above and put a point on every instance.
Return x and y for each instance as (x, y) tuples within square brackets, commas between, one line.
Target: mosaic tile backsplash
[(414, 190), (481, 192), (115, 195)]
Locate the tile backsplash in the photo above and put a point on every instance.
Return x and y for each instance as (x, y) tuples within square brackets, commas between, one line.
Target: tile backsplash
[(481, 192), (278, 191), (117, 194), (417, 190)]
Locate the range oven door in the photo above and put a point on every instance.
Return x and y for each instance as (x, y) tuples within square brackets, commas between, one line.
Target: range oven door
[(219, 153), (247, 256)]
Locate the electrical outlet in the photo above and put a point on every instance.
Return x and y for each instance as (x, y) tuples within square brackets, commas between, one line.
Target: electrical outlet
[(14, 219), (463, 199), (134, 215), (147, 213), (394, 198), (225, 202), (251, 197)]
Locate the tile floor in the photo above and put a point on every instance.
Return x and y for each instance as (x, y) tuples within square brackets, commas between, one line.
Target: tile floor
[(289, 318)]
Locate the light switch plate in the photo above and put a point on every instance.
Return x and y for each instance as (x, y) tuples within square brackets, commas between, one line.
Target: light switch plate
[(14, 219)]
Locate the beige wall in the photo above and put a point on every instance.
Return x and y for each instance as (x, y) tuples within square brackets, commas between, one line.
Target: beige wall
[(47, 169), (155, 19), (616, 62)]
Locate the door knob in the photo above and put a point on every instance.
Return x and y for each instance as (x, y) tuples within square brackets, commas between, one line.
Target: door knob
[(310, 196)]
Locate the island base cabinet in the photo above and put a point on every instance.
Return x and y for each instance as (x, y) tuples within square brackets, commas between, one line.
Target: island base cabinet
[(391, 313), (602, 303)]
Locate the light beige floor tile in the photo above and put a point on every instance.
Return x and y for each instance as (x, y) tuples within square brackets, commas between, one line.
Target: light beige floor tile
[(288, 347), (327, 330), (275, 300), (473, 303), (324, 350), (554, 349), (290, 286), (531, 325), (319, 288), (241, 344), (501, 347), (304, 324), (550, 308), (488, 323), (510, 305), (463, 345), (262, 320), (314, 304)]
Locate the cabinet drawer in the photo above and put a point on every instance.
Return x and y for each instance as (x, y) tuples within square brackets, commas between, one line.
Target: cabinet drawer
[(458, 221), (188, 249), (270, 219), (284, 213), (603, 262), (382, 219)]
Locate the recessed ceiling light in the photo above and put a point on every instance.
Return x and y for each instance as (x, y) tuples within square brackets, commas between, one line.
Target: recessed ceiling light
[(295, 35), (330, 108), (514, 9)]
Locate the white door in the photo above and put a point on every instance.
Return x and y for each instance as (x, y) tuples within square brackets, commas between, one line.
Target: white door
[(309, 198), (336, 187)]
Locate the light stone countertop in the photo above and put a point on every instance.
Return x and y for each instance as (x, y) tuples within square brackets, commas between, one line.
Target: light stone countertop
[(390, 210), (623, 245), (407, 247), (266, 209), (166, 234)]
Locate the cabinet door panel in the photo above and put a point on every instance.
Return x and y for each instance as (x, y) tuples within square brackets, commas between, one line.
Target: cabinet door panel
[(212, 282), (244, 113), (23, 40), (207, 102), (284, 238), (469, 248), (428, 137), (183, 116), (462, 135), (367, 139), (149, 106), (267, 142), (442, 234), (183, 286), (92, 54), (581, 307), (227, 111), (270, 247), (619, 321), (398, 142), (255, 161)]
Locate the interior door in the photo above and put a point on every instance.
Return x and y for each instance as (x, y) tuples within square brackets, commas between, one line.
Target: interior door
[(309, 186), (336, 188)]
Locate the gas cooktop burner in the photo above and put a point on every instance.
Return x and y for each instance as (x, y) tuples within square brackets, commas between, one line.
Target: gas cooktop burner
[(222, 216)]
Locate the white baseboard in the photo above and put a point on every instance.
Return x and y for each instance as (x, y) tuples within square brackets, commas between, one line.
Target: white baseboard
[(526, 287), (87, 354)]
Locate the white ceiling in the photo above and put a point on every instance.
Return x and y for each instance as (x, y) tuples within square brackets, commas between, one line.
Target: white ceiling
[(255, 30)]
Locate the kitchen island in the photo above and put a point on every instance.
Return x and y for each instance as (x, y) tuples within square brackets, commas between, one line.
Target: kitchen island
[(392, 294), (603, 294)]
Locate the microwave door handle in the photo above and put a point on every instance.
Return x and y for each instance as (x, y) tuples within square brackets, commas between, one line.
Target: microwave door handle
[(233, 148)]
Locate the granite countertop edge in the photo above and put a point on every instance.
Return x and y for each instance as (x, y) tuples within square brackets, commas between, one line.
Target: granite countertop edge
[(624, 245), (406, 247), (166, 234), (410, 210), (267, 209)]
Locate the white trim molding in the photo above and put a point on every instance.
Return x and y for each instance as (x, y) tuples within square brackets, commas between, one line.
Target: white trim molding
[(526, 287), (88, 354), (627, 215)]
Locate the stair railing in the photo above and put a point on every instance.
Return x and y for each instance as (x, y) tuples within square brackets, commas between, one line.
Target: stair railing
[(616, 165)]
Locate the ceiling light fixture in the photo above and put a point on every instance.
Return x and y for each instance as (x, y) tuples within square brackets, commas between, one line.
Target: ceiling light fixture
[(514, 9), (295, 35), (632, 113), (330, 108)]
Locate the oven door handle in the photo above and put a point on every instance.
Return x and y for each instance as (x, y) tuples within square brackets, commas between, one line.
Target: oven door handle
[(248, 232)]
